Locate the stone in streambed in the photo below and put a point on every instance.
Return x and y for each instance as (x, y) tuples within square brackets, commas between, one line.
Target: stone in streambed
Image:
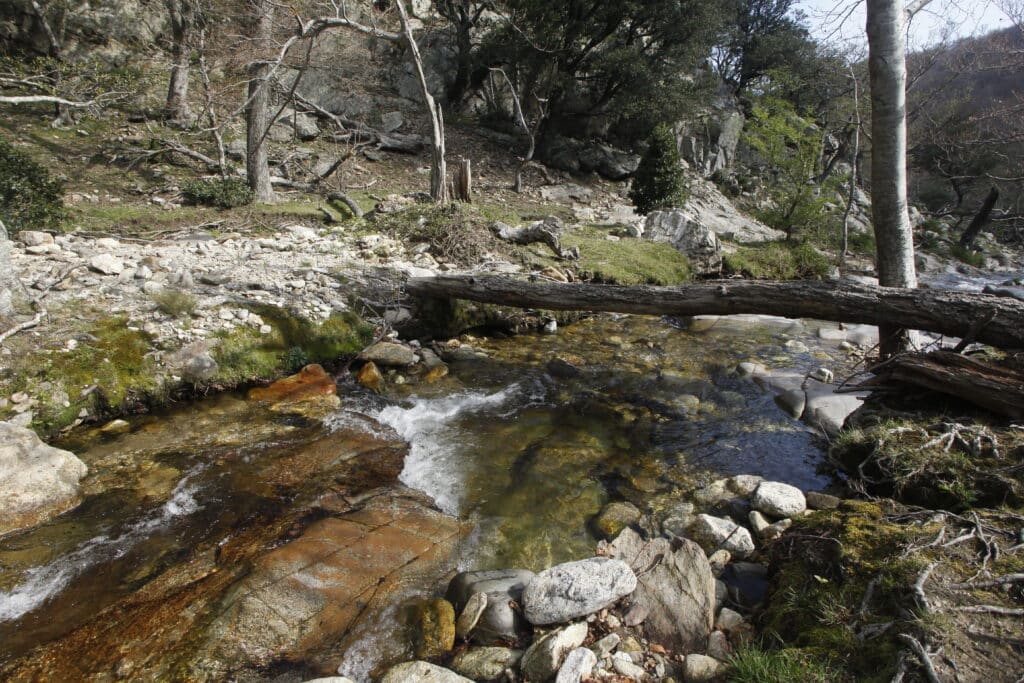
[(498, 621), (544, 658), (675, 587), (576, 589), (486, 663), (38, 481), (389, 354), (578, 665), (470, 615), (776, 499), (421, 672), (700, 668), (369, 376), (713, 533), (614, 517), (435, 622)]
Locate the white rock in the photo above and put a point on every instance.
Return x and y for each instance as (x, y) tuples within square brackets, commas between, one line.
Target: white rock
[(34, 238), (544, 658), (758, 523), (421, 672), (744, 484), (38, 481), (576, 589), (623, 664), (106, 264), (713, 533), (579, 664), (700, 668), (776, 499)]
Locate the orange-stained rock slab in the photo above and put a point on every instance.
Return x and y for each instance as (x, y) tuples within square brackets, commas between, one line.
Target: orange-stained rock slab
[(309, 382)]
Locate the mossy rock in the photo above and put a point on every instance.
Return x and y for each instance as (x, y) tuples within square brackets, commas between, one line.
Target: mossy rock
[(435, 628)]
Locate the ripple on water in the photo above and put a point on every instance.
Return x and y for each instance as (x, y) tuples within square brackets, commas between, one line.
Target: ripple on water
[(41, 583)]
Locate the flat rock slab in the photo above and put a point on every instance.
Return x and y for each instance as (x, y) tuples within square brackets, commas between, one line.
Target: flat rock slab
[(311, 591), (575, 589), (421, 672)]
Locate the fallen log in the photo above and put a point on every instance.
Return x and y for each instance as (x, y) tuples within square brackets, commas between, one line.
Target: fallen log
[(997, 388), (543, 232), (994, 320)]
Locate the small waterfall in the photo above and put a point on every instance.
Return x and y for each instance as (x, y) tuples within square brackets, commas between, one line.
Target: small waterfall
[(434, 463)]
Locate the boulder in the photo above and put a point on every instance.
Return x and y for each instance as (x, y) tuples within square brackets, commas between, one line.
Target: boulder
[(713, 533), (576, 589), (35, 238), (708, 207), (776, 499), (544, 658), (577, 156), (674, 585), (389, 354), (698, 242), (486, 663), (38, 481), (708, 141), (498, 621), (421, 672)]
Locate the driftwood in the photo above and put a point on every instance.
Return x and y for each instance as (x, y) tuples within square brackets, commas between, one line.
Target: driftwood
[(544, 232), (951, 313), (994, 387)]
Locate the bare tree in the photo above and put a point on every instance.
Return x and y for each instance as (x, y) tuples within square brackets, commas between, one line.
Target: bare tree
[(889, 213), (438, 170), (258, 118)]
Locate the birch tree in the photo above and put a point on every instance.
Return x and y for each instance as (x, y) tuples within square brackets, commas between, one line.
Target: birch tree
[(886, 22)]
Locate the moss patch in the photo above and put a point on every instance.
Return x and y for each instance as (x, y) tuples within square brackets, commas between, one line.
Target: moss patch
[(244, 355), (825, 565), (107, 371), (777, 261)]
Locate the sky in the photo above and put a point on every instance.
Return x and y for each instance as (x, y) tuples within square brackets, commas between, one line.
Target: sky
[(842, 21)]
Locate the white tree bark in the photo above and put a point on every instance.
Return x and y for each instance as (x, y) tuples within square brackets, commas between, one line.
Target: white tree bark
[(11, 292), (257, 113), (893, 234), (438, 170)]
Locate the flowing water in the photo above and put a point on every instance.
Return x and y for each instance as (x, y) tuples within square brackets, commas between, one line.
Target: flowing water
[(526, 441)]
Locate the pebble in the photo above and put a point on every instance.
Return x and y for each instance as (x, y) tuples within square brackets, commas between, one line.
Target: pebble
[(728, 619)]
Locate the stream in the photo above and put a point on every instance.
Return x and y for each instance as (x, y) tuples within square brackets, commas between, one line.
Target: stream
[(524, 440)]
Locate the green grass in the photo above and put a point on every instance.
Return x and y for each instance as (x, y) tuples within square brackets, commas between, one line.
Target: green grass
[(175, 302), (754, 665), (777, 261), (968, 256), (628, 261)]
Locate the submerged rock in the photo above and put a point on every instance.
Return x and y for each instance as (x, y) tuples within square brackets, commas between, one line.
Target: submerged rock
[(435, 622), (576, 589), (38, 481), (616, 516)]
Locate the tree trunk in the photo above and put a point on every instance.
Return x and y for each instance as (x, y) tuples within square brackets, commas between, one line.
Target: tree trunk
[(854, 153), (980, 219), (952, 313), (11, 293), (889, 215), (181, 19), (438, 171), (463, 181), (257, 114)]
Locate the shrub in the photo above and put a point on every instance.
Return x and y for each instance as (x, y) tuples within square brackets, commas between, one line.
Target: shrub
[(29, 198), (223, 193), (777, 261), (174, 302), (659, 181)]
